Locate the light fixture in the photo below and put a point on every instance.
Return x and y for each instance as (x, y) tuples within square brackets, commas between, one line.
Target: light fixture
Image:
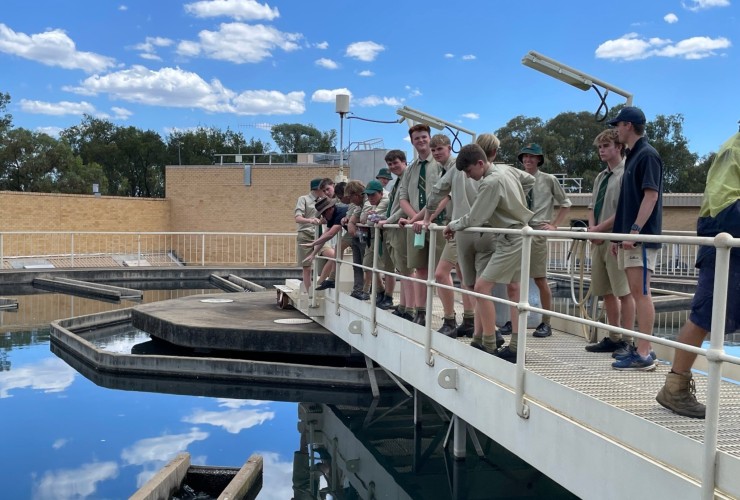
[(570, 75), (417, 116)]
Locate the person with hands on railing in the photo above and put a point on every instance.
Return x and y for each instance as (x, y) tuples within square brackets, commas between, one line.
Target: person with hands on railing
[(307, 220), (333, 214), (719, 213), (376, 205)]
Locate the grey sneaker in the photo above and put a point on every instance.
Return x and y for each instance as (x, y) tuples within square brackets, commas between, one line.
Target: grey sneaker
[(628, 350), (634, 362)]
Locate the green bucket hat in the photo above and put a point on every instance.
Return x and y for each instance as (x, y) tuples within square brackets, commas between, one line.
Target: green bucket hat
[(315, 184), (384, 173), (532, 149)]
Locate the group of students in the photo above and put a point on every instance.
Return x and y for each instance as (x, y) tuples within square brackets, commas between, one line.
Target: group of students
[(473, 191)]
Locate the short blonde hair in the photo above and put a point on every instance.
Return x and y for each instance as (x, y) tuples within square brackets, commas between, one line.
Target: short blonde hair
[(439, 140), (489, 143), (354, 188), (609, 135)]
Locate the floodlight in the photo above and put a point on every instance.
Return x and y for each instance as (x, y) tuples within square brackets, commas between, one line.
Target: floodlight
[(571, 76), (420, 117)]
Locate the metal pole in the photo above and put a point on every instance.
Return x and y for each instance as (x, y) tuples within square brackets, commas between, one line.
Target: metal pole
[(72, 249), (716, 348), (522, 408), (203, 250), (341, 146), (264, 250), (2, 252), (338, 257), (430, 293), (373, 283)]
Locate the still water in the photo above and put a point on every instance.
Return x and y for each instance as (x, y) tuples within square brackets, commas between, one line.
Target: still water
[(72, 433)]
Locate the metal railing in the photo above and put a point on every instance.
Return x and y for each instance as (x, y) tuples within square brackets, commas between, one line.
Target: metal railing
[(715, 354), (115, 249)]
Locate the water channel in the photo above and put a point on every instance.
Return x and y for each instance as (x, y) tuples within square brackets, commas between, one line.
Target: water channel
[(72, 433)]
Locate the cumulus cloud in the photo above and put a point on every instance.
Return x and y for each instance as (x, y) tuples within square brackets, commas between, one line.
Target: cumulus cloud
[(161, 448), (449, 55), (326, 63), (469, 57), (121, 113), (366, 72), (176, 88), (50, 131), (277, 477), (326, 95), (322, 45), (49, 375), (240, 43), (148, 47), (123, 8), (241, 10), (670, 18), (82, 482), (52, 48), (413, 92), (57, 108), (374, 100), (364, 51), (471, 116), (232, 421), (632, 47), (695, 5)]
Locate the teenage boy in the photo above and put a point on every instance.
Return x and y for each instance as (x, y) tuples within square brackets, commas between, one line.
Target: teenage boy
[(541, 200), (356, 235), (384, 177), (375, 207), (333, 215), (607, 280), (394, 240), (416, 188), (307, 220), (500, 203), (639, 211)]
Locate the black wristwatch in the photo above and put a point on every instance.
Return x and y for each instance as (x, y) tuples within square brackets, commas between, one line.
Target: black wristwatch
[(635, 227)]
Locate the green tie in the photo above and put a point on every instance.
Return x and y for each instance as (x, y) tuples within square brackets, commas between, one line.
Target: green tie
[(392, 197), (601, 195), (530, 198), (423, 184)]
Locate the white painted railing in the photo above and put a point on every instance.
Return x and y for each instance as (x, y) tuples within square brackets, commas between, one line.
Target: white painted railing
[(715, 354)]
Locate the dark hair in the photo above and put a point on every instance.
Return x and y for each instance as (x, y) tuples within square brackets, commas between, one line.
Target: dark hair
[(470, 154), (339, 189), (639, 128), (420, 127), (395, 154)]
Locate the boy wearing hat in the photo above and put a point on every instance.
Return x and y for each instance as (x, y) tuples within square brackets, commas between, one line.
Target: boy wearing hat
[(639, 211), (357, 236), (375, 207), (384, 177), (307, 219), (541, 200), (607, 280), (333, 215)]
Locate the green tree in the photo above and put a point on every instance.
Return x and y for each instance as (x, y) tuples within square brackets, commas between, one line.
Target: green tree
[(32, 161), (92, 140), (140, 158), (518, 131), (299, 138), (200, 146), (6, 119), (665, 134)]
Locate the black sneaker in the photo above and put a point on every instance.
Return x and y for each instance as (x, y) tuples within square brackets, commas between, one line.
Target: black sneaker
[(356, 294), (606, 345), (506, 329), (325, 284), (477, 343), (386, 303), (506, 354), (543, 330)]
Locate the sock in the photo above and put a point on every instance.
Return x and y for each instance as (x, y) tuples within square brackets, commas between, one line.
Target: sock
[(546, 319), (514, 342), (401, 308), (421, 310), (489, 341), (449, 316), (468, 314)]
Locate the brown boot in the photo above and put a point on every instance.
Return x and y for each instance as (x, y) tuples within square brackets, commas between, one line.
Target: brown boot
[(679, 395), (449, 328)]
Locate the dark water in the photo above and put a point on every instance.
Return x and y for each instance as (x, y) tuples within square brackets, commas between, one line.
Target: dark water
[(69, 432)]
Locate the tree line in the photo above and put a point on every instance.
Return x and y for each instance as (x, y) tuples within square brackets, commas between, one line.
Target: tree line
[(128, 161)]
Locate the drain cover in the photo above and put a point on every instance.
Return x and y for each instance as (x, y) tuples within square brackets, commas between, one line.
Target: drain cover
[(217, 301), (293, 321)]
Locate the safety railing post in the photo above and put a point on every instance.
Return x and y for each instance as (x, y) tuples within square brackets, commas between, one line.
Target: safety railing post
[(203, 250), (264, 251), (430, 293), (522, 407), (72, 249), (716, 348), (2, 252), (373, 283), (338, 257), (138, 251)]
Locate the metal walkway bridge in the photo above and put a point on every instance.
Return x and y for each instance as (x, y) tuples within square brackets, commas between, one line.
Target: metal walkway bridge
[(596, 431)]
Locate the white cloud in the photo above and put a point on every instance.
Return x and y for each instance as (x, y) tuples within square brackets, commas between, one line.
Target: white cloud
[(695, 5), (50, 131), (52, 48), (59, 443), (326, 95), (373, 100), (277, 477), (57, 108), (161, 448), (82, 482), (123, 8), (121, 113), (322, 45), (326, 63), (364, 51), (49, 375), (240, 43), (150, 57), (670, 18), (176, 88), (632, 47), (413, 92), (366, 72), (449, 56), (148, 47), (232, 421), (241, 10), (468, 57), (471, 116)]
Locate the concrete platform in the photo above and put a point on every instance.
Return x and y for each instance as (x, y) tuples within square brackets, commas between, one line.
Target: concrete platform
[(242, 322)]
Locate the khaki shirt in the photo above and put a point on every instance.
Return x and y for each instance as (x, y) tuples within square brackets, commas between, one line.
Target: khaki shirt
[(548, 193), (409, 189), (500, 202), (396, 212), (305, 207), (522, 177), (355, 210), (380, 208), (611, 198), (459, 187)]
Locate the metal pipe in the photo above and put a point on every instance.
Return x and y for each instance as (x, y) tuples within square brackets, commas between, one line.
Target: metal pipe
[(430, 294), (373, 283), (522, 407)]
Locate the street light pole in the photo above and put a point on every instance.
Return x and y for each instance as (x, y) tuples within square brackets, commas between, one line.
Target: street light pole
[(342, 107)]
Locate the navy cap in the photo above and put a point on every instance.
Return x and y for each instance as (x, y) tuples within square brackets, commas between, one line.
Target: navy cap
[(629, 114)]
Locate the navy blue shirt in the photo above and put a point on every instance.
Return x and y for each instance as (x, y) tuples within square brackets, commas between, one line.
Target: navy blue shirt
[(340, 211), (643, 169)]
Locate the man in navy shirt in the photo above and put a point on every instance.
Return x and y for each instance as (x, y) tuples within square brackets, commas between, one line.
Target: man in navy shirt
[(639, 211), (333, 215)]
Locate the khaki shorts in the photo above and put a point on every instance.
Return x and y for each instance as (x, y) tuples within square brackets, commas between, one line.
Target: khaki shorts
[(634, 257), (606, 277), (418, 258), (303, 252), (384, 261), (538, 259), (449, 253), (395, 241), (505, 265), (474, 251)]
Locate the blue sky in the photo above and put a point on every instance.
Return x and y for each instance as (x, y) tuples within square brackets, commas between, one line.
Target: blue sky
[(247, 64)]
